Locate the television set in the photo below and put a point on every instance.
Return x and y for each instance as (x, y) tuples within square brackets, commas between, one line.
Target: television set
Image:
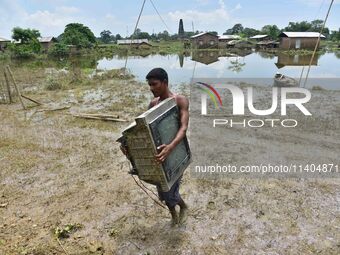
[(159, 125)]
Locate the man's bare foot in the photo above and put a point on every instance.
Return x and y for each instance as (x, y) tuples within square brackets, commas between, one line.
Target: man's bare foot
[(183, 215), (174, 221)]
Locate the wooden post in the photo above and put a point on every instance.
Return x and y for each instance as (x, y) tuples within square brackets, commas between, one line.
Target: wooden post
[(3, 89), (32, 100), (16, 87), (8, 88)]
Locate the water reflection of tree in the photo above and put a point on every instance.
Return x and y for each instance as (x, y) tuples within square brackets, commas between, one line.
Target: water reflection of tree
[(267, 55), (321, 53), (236, 66), (337, 54), (78, 65), (88, 62), (181, 59)]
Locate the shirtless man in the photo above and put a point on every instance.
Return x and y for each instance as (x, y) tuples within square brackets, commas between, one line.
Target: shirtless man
[(158, 81)]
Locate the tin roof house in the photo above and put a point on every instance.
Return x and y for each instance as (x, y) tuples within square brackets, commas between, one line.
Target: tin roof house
[(224, 39), (299, 40), (295, 60), (260, 37), (136, 43), (204, 41), (3, 43), (47, 42), (205, 57)]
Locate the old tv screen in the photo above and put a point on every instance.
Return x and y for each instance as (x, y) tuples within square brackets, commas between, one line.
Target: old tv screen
[(159, 125), (164, 130)]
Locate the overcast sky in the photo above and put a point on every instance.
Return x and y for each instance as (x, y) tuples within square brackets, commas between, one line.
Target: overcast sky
[(119, 16)]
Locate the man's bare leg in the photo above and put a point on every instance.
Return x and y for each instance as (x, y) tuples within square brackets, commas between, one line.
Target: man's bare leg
[(174, 216), (183, 213)]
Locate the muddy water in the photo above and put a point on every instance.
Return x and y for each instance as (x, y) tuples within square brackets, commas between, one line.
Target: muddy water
[(212, 64), (202, 64)]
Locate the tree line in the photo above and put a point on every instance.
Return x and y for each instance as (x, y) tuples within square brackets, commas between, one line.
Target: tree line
[(27, 40), (273, 31), (245, 32), (81, 36)]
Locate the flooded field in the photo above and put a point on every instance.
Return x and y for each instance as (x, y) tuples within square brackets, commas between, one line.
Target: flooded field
[(205, 64), (64, 187)]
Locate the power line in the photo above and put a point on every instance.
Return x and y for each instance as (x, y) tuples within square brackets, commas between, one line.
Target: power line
[(160, 16), (318, 12), (315, 17), (134, 32), (318, 41), (140, 14), (127, 53)]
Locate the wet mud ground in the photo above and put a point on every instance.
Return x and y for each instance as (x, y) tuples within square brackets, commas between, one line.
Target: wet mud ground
[(58, 170)]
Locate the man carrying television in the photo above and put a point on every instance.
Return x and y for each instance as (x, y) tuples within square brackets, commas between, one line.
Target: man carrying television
[(157, 79)]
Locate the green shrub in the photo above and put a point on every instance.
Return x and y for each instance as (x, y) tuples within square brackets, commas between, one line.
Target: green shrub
[(59, 50), (53, 83), (24, 50)]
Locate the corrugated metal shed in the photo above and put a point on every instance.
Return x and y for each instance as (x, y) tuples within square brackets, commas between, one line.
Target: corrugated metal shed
[(200, 34), (134, 41), (47, 39), (267, 42), (258, 36), (228, 37), (301, 34), (4, 40)]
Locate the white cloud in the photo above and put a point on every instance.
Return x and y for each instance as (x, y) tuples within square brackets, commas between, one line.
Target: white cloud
[(203, 2), (221, 3), (237, 7), (217, 19), (10, 14), (112, 20), (48, 22), (202, 17), (51, 22), (67, 10)]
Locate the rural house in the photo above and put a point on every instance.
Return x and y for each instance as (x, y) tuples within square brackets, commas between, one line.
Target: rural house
[(267, 45), (3, 43), (240, 44), (204, 41), (294, 60), (260, 37), (299, 40), (47, 42), (205, 57), (224, 39), (136, 43)]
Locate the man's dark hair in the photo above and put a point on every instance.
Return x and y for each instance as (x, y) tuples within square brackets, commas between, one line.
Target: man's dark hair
[(158, 74)]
